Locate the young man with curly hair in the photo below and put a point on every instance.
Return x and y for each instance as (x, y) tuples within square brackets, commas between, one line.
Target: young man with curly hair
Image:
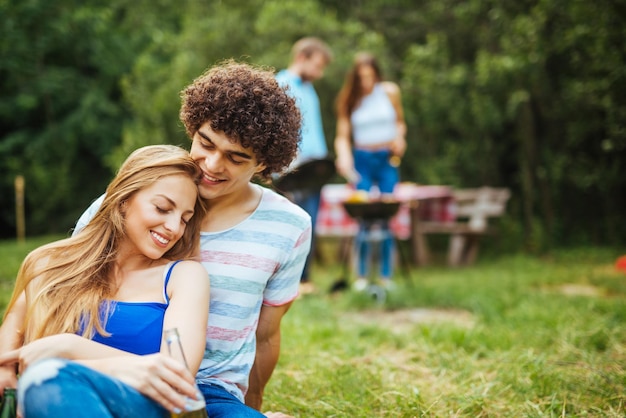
[(254, 242)]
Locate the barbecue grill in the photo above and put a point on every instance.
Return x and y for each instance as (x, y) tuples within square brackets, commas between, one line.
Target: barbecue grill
[(373, 218), (308, 177), (372, 211)]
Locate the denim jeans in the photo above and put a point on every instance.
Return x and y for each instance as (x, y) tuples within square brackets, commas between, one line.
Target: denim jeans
[(222, 404), (310, 202), (374, 169), (62, 388)]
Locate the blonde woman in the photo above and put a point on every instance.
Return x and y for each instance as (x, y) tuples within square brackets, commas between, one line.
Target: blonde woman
[(87, 314)]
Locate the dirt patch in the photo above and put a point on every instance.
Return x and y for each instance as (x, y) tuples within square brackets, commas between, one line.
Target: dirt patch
[(404, 319), (580, 290)]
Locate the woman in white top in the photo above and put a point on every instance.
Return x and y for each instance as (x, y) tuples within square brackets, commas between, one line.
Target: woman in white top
[(369, 142)]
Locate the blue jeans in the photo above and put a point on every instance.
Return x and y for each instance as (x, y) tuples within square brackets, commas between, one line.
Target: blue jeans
[(222, 404), (374, 168), (310, 202), (62, 388)]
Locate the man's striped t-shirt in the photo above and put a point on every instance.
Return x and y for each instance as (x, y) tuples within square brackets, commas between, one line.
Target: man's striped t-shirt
[(257, 262)]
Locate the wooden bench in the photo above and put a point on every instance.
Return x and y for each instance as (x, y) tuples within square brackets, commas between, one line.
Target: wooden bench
[(474, 207)]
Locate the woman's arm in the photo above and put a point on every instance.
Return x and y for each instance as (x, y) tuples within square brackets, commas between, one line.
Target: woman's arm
[(189, 310), (158, 376), (343, 149), (398, 146), (11, 338)]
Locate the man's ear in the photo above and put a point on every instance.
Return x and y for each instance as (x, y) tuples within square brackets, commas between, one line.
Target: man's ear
[(260, 168)]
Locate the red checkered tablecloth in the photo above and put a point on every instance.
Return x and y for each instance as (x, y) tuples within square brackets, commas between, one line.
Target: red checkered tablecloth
[(435, 203)]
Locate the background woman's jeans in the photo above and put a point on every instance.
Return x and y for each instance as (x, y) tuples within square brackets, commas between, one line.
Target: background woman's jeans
[(310, 202), (374, 169), (62, 388)]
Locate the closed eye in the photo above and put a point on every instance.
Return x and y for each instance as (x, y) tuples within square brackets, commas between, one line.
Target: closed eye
[(234, 158)]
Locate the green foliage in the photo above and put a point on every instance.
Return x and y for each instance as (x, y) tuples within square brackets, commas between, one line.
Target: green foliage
[(525, 95), (60, 113)]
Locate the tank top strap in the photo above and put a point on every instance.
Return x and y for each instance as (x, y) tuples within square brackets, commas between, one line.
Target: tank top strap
[(168, 273)]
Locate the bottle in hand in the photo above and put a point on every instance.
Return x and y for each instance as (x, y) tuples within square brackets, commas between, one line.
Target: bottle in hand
[(8, 408), (194, 408)]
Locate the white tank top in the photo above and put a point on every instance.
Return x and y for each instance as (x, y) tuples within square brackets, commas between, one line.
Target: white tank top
[(374, 120)]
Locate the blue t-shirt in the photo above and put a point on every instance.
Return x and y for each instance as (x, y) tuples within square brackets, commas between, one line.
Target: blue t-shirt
[(313, 145)]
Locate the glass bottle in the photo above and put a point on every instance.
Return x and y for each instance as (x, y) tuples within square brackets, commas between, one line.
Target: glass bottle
[(8, 408), (195, 408)]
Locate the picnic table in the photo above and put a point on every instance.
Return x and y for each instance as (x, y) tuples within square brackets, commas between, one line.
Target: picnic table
[(473, 209), (428, 203)]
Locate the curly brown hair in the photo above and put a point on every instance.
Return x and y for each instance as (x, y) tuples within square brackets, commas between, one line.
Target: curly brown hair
[(250, 107)]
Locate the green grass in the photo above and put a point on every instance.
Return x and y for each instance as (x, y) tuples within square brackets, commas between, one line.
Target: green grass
[(521, 337), (512, 336)]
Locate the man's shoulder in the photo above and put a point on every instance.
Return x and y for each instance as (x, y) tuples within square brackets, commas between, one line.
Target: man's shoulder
[(290, 80), (88, 214), (274, 201), (284, 75)]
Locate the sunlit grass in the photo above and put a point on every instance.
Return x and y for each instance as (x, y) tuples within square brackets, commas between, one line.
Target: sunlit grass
[(520, 336), (512, 336)]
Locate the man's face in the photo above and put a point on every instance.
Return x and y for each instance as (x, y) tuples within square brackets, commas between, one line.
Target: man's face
[(227, 167), (313, 67)]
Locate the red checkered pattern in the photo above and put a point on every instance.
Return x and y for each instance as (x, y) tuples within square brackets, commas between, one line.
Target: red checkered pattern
[(435, 203)]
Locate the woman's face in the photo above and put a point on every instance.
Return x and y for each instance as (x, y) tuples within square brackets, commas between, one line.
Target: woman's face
[(156, 216), (367, 77)]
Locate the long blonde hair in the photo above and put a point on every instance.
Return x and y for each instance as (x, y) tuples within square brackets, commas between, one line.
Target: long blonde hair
[(66, 281)]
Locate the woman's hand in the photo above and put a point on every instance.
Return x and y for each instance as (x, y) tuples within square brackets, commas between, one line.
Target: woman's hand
[(398, 147), (161, 378), (345, 168), (8, 377), (59, 345)]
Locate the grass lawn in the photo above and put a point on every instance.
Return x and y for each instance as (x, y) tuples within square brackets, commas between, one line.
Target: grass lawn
[(512, 336)]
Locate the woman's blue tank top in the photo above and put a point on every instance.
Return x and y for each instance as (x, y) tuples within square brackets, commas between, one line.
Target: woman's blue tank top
[(136, 327)]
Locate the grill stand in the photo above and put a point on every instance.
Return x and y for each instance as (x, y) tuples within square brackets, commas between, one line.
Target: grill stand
[(373, 219)]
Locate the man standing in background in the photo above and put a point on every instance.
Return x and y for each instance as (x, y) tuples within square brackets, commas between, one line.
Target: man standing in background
[(309, 58)]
